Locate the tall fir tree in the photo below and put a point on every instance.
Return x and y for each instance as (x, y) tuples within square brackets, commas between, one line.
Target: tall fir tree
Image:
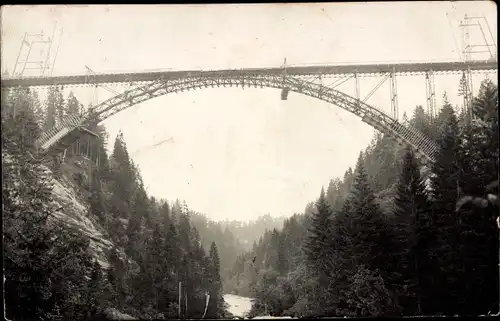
[(318, 230), (54, 107), (445, 192), (369, 227), (411, 224), (123, 179), (215, 307)]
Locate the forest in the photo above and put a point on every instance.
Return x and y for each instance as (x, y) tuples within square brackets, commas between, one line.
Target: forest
[(158, 247), (394, 236), (387, 239)]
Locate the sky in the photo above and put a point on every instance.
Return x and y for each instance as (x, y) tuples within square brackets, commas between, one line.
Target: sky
[(239, 154)]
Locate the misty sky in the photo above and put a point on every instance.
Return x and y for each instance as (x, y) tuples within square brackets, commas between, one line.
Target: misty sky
[(233, 153)]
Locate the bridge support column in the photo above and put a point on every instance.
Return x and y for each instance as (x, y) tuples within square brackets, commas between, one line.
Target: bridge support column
[(394, 95), (430, 90), (356, 84), (470, 93), (284, 88)]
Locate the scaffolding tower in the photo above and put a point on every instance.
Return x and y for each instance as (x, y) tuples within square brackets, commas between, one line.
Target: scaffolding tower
[(34, 57), (471, 51)]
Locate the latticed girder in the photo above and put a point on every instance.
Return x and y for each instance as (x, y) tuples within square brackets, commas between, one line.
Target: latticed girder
[(378, 119), (66, 125)]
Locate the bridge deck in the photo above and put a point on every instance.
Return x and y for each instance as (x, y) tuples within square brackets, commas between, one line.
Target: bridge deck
[(333, 70)]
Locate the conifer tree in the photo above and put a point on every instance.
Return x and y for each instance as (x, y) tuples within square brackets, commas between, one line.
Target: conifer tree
[(411, 222), (123, 179), (139, 212), (54, 107), (318, 230), (151, 284), (215, 307), (73, 106), (282, 259), (332, 192), (420, 120), (38, 110), (445, 186), (369, 229)]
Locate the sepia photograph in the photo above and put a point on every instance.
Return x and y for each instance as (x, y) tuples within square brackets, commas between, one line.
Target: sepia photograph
[(250, 161)]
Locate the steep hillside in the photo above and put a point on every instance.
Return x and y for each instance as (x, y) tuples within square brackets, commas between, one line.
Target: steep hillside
[(74, 208), (82, 236)]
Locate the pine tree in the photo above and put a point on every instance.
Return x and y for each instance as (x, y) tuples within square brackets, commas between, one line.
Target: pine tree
[(73, 106), (369, 228), (139, 212), (172, 267), (411, 222), (215, 307), (445, 192), (341, 264), (122, 178), (37, 109), (283, 264), (420, 120), (165, 215), (20, 129), (151, 284), (54, 107), (318, 231), (332, 192), (184, 232), (60, 105)]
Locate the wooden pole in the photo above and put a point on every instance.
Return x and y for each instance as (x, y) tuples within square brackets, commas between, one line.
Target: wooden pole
[(206, 305), (90, 165), (180, 286)]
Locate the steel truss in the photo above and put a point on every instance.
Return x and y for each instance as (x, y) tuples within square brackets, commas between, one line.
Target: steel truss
[(424, 147), (294, 71)]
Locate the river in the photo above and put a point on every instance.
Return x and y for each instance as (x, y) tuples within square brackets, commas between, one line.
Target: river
[(239, 306)]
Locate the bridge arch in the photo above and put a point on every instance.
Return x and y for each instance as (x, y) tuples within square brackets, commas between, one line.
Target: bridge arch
[(424, 147)]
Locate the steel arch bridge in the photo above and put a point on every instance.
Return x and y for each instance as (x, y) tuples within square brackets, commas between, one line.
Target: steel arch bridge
[(58, 138)]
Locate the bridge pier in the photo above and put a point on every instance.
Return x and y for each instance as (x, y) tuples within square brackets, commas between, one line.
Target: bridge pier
[(430, 92), (356, 85), (394, 94)]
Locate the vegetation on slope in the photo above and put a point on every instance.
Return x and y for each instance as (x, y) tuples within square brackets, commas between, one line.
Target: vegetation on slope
[(388, 239), (51, 272)]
